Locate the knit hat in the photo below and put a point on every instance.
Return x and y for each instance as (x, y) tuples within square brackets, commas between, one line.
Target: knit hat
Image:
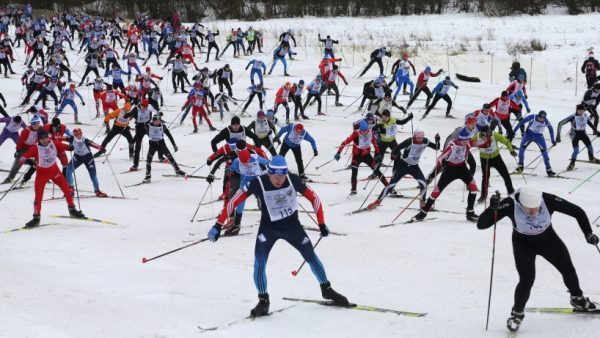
[(278, 166), (530, 197)]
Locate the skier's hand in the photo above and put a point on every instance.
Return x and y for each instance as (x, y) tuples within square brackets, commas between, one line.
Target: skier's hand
[(210, 178), (175, 148), (558, 139), (495, 202), (71, 147), (528, 110), (346, 82), (82, 103), (209, 162), (410, 116), (437, 138), (215, 232), (315, 152), (325, 231), (30, 161), (378, 157), (337, 156), (17, 154), (592, 239), (276, 140), (597, 133), (553, 143), (513, 153)]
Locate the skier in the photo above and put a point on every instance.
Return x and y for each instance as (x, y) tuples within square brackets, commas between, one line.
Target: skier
[(399, 64), (516, 71), (441, 92), (361, 140), (315, 90), (294, 134), (11, 129), (258, 91), (519, 99), (590, 68), (279, 55), (2, 111), (142, 114), (502, 106), (535, 133), (402, 78), (330, 78), (256, 69), (485, 117), (577, 133), (235, 131), (244, 169), (212, 43), (590, 101), (68, 98), (489, 155), (328, 44), (276, 191), (156, 132), (376, 57), (225, 78), (199, 107), (455, 156), (386, 130), (516, 85), (121, 126), (221, 101), (282, 96), (82, 155), (264, 130), (297, 90), (43, 157), (406, 158), (530, 212)]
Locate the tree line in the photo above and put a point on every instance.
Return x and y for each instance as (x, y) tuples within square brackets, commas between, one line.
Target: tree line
[(196, 10)]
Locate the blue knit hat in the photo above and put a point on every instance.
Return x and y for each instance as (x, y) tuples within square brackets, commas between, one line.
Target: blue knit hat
[(278, 166)]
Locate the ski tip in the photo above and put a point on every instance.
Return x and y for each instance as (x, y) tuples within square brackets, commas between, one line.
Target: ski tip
[(144, 260)]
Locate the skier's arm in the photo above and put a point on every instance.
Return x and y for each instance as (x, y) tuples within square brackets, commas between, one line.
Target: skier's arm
[(502, 139), (168, 133), (312, 141), (565, 121), (237, 199), (550, 129), (522, 122), (222, 135), (310, 195), (555, 203), (488, 217)]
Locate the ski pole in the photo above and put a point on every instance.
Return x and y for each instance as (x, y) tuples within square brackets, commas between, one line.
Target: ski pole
[(308, 213), (145, 260), (307, 164), (492, 270), (112, 148), (201, 200), (12, 186), (76, 187), (295, 272), (322, 165), (587, 179), (353, 102), (195, 171), (116, 179), (98, 132), (406, 207), (374, 185), (535, 159)]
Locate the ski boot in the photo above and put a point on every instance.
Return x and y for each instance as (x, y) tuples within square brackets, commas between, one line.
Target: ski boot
[(195, 130), (304, 117), (338, 104), (99, 153), (329, 293), (594, 160), (374, 204), (35, 221), (100, 193), (352, 192), (133, 168), (472, 216), (211, 128), (75, 213), (519, 169), (303, 177), (571, 165), (514, 321), (420, 216), (481, 199), (147, 178), (550, 173), (286, 74), (179, 172), (582, 303), (262, 308), (394, 193), (321, 113)]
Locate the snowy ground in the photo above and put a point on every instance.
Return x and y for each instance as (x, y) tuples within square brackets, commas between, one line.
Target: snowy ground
[(84, 279)]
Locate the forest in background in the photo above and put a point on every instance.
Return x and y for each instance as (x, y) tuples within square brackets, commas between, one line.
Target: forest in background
[(196, 10)]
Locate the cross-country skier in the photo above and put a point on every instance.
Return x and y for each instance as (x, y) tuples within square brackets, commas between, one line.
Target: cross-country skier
[(328, 45), (577, 133), (257, 65), (441, 92), (264, 130), (530, 212), (535, 133), (82, 155), (376, 57), (590, 68), (277, 191), (156, 139), (294, 134)]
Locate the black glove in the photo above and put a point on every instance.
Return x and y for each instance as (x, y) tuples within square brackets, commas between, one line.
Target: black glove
[(315, 152), (209, 162), (558, 139), (325, 231), (410, 116), (82, 103), (277, 140), (30, 161), (591, 238), (513, 153), (495, 202), (437, 138), (553, 143), (17, 154), (378, 157), (210, 178), (71, 147), (175, 148), (337, 156)]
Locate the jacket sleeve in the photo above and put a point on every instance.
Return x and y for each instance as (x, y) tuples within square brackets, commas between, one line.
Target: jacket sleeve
[(555, 203), (488, 217)]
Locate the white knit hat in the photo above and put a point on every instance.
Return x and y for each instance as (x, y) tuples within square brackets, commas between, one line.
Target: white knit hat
[(530, 197)]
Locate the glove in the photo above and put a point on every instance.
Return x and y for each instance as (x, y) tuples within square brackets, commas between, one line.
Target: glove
[(82, 103), (437, 138), (378, 158), (214, 232), (71, 147), (17, 154), (457, 87), (30, 161), (528, 110), (513, 153), (315, 152), (325, 231), (558, 139), (598, 133), (553, 143), (346, 82), (510, 138), (591, 238), (277, 140), (175, 148), (210, 178), (410, 116), (495, 202), (337, 156), (161, 78)]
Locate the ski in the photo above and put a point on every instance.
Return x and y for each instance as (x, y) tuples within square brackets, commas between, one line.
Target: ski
[(85, 219), (560, 310), (129, 171), (18, 187), (25, 229), (90, 196), (407, 222), (189, 176), (142, 182), (207, 219), (330, 232), (358, 307), (584, 161), (320, 182), (358, 211), (214, 328), (222, 236), (211, 202)]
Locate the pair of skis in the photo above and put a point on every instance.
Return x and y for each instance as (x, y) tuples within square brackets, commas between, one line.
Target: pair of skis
[(95, 220)]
